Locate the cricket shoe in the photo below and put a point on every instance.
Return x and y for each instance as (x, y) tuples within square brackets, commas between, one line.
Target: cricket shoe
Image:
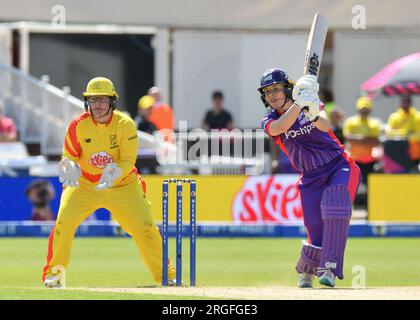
[(172, 283), (327, 279), (305, 280), (53, 282)]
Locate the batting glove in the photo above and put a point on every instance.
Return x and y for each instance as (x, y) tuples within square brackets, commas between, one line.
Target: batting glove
[(111, 173), (305, 95), (306, 82), (69, 173)]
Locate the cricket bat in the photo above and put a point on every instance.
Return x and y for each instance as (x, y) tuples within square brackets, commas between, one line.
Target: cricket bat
[(315, 45)]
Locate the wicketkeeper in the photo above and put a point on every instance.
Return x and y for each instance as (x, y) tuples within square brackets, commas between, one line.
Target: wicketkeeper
[(298, 125), (98, 170)]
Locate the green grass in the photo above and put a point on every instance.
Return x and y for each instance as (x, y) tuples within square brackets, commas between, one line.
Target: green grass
[(115, 262), (45, 294)]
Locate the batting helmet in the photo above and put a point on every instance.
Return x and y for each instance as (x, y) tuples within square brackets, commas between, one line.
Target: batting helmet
[(275, 76), (101, 86)]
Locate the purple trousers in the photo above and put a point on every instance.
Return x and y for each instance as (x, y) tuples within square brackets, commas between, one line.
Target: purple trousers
[(341, 171)]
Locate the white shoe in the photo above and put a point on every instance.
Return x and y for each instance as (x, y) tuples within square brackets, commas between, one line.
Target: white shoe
[(327, 279), (172, 283), (53, 282), (305, 280)]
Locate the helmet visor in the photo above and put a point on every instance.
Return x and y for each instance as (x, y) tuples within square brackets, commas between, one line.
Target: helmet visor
[(273, 89)]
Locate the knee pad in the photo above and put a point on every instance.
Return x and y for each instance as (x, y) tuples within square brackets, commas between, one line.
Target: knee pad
[(309, 258)]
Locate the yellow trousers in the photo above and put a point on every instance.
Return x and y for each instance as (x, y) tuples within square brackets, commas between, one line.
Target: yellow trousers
[(129, 207)]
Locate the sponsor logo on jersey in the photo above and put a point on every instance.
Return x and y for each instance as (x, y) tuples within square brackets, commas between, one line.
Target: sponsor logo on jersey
[(132, 138), (113, 139), (100, 159), (300, 132), (88, 140)]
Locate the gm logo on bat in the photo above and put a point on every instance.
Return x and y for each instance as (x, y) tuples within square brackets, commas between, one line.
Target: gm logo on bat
[(314, 64)]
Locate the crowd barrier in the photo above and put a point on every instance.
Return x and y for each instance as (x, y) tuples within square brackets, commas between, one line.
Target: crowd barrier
[(211, 230), (235, 199)]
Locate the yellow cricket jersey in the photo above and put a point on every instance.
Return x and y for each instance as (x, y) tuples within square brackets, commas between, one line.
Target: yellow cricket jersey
[(366, 128), (401, 123), (93, 145)]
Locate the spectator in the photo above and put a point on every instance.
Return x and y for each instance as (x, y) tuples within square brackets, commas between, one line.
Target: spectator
[(161, 115), (414, 146), (402, 128), (336, 121), (40, 193), (217, 117), (142, 120), (8, 132), (327, 98), (361, 132), (402, 122), (280, 163)]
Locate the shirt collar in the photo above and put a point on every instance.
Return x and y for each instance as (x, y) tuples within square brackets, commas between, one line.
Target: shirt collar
[(106, 123)]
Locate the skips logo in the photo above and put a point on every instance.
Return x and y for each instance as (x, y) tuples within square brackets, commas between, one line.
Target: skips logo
[(100, 160), (268, 198), (300, 132)]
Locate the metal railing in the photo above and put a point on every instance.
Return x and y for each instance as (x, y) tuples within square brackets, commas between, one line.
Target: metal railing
[(40, 110), (42, 113)]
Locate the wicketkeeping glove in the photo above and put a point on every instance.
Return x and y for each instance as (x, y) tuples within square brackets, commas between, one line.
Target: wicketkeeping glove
[(111, 173), (69, 173)]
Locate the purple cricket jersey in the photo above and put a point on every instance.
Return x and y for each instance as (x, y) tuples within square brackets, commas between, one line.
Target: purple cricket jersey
[(307, 147)]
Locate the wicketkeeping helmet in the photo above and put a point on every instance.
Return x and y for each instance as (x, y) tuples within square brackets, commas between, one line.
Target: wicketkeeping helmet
[(101, 86), (275, 76)]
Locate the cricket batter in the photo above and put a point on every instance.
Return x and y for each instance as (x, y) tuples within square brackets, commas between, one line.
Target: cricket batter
[(98, 171), (330, 178)]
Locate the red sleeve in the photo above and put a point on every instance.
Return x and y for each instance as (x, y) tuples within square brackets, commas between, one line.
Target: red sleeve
[(267, 127)]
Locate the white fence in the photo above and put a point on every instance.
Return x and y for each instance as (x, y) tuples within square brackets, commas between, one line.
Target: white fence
[(40, 110)]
